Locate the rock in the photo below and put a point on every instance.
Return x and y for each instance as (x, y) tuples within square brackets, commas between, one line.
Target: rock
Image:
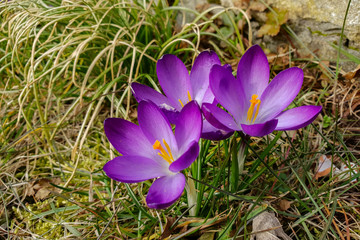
[(327, 11), (267, 227), (318, 25), (185, 17), (321, 37)]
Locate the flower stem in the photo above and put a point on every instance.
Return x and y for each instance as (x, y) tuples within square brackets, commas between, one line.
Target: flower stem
[(241, 155), (234, 171), (191, 195), (238, 155)]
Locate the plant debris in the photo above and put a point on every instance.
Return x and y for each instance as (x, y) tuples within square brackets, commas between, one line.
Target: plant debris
[(41, 188), (267, 227)]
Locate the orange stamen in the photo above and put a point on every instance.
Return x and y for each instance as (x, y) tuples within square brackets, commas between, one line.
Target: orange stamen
[(254, 101), (189, 99), (167, 156)]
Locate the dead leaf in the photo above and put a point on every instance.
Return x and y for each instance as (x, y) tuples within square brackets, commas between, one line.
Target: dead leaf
[(343, 173), (325, 80), (184, 227), (324, 167), (346, 173), (257, 6), (281, 58), (243, 4), (268, 29), (267, 227), (133, 113), (351, 109), (273, 23), (41, 188), (353, 74), (324, 65), (284, 204), (167, 231)]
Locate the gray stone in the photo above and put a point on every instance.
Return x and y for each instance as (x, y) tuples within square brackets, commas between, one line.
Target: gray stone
[(318, 24), (185, 17), (267, 227), (329, 11)]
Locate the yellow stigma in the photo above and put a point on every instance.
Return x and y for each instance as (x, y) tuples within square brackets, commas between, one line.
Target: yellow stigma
[(254, 101), (167, 156), (189, 97)]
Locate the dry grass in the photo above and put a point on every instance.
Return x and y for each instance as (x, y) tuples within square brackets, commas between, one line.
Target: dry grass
[(65, 66)]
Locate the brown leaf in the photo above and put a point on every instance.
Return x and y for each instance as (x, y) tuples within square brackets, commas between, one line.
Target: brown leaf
[(257, 6), (274, 21), (284, 204), (133, 113), (267, 227), (323, 64), (167, 231), (203, 227), (353, 74), (243, 4), (343, 172), (268, 29), (281, 59), (42, 193), (351, 109), (324, 167), (41, 188)]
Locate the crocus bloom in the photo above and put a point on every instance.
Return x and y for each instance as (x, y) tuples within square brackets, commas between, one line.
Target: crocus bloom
[(256, 106), (180, 88), (151, 150)]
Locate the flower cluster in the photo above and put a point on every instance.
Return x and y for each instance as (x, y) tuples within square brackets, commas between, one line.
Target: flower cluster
[(252, 105)]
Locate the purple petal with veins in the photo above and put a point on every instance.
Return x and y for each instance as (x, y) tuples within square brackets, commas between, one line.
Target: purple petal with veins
[(298, 117), (174, 79), (165, 191), (255, 104), (131, 169), (151, 150), (188, 126), (199, 76), (154, 124)]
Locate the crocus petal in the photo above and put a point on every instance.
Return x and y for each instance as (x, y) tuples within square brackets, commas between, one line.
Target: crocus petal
[(199, 76), (297, 117), (280, 93), (208, 97), (165, 191), (188, 126), (261, 129), (155, 125), (186, 159), (127, 137), (228, 91), (253, 71), (228, 67), (210, 132), (143, 92), (219, 118), (130, 169), (174, 79), (171, 115)]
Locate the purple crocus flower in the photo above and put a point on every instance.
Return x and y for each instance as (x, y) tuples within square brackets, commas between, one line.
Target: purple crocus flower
[(181, 88), (151, 150), (256, 106)]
